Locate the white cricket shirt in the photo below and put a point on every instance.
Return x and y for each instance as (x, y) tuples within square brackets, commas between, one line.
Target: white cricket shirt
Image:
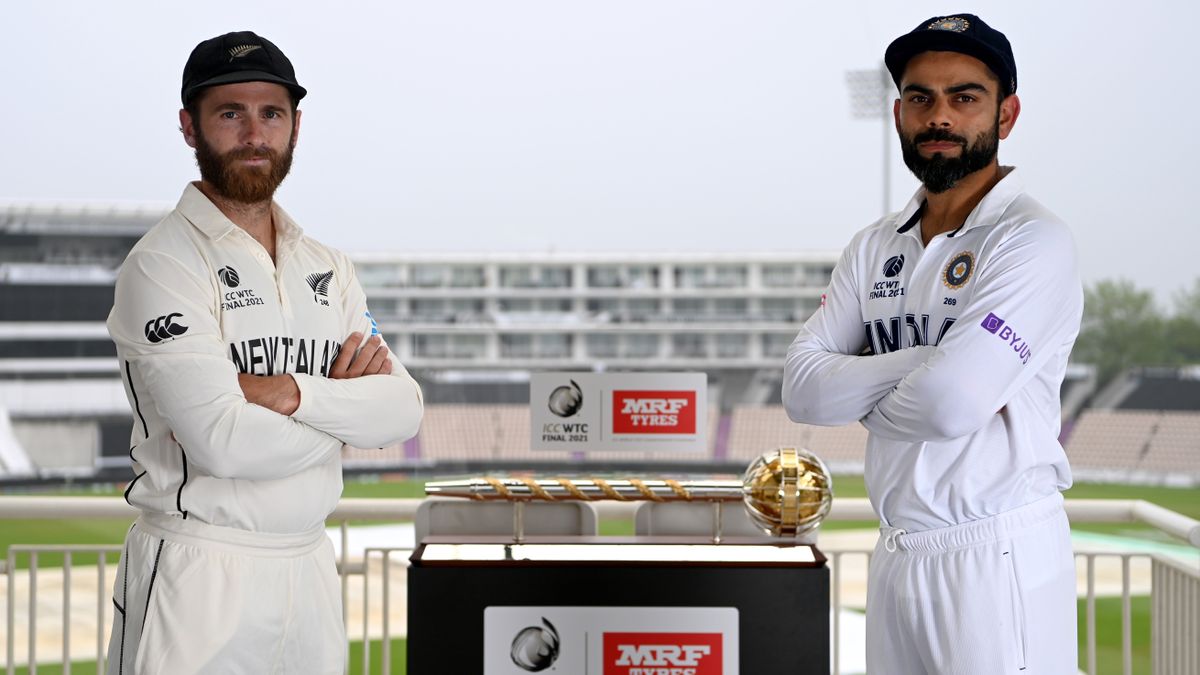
[(969, 340), (198, 301)]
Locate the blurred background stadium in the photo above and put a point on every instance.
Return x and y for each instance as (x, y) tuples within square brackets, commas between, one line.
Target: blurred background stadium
[(472, 328)]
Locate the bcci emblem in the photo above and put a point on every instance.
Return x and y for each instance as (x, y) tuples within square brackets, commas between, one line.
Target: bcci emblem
[(535, 648), (958, 272), (953, 24), (566, 401)]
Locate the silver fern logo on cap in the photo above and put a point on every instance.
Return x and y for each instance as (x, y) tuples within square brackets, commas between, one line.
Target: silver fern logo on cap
[(242, 50)]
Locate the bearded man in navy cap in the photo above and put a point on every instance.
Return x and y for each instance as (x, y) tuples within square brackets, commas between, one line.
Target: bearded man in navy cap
[(946, 330), (249, 359)]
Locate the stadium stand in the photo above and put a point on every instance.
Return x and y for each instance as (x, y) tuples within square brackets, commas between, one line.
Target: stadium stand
[(756, 429), (1135, 445)]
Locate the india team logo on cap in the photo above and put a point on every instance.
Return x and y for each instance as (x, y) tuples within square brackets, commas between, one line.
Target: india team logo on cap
[(951, 23), (958, 272)]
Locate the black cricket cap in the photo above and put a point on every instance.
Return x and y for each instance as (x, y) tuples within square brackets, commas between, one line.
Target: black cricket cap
[(237, 57), (962, 33)]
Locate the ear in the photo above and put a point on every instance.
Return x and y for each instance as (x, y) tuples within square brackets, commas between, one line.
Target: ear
[(296, 128), (896, 114), (1010, 110), (187, 127)]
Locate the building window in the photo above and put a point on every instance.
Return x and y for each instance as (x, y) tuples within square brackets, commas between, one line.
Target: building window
[(779, 309), (775, 345), (730, 308), (446, 346), (689, 346), (467, 276), (524, 276), (601, 345), (379, 276), (429, 276), (779, 276), (640, 346), (732, 346)]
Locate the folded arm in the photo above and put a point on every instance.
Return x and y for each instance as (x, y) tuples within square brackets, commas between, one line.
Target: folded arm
[(165, 326), (825, 381), (1026, 308)]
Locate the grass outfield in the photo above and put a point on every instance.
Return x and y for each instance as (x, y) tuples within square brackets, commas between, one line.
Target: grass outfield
[(1108, 641)]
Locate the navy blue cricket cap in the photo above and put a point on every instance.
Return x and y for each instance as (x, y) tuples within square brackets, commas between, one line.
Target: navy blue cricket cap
[(962, 33), (237, 57)]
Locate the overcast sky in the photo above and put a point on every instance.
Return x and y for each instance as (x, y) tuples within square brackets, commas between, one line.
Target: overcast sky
[(616, 125)]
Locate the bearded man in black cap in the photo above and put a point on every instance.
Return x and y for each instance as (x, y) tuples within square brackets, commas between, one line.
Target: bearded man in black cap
[(249, 359), (946, 330)]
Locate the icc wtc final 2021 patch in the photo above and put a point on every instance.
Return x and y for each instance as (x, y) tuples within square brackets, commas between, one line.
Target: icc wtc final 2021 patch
[(958, 272)]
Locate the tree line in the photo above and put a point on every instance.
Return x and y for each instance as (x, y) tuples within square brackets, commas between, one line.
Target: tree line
[(1124, 327)]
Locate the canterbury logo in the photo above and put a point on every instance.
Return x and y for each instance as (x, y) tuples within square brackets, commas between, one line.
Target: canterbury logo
[(319, 282), (164, 328), (239, 52)]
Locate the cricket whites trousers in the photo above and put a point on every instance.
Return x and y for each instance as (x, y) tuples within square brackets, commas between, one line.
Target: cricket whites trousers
[(996, 595), (197, 598)]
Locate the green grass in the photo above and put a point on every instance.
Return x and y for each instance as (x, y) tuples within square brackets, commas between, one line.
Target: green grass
[(399, 661), (1108, 643), (1109, 660)]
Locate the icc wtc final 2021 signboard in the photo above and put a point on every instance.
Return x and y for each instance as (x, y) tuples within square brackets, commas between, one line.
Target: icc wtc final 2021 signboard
[(618, 411)]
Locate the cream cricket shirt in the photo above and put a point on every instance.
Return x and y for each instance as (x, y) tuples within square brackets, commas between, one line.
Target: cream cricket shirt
[(970, 338), (198, 301)]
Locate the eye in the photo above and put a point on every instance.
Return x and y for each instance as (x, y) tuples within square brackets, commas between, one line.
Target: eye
[(271, 114), (965, 98), (229, 115), (918, 98)]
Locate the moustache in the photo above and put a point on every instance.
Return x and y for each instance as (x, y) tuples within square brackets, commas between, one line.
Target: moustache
[(938, 135), (252, 153)]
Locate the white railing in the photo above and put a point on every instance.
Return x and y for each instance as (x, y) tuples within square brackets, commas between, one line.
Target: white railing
[(1174, 587)]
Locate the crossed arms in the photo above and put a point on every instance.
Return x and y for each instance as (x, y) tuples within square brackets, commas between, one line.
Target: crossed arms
[(234, 425), (937, 393)]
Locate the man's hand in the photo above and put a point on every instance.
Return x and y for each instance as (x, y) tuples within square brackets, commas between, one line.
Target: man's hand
[(274, 392), (351, 362)]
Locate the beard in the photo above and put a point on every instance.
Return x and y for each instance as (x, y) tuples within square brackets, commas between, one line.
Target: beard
[(242, 184), (940, 173)]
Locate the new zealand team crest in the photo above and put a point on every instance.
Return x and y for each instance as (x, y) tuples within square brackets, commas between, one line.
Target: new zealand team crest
[(958, 272)]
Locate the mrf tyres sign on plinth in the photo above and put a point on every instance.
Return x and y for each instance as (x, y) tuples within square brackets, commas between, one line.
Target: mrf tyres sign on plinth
[(618, 411)]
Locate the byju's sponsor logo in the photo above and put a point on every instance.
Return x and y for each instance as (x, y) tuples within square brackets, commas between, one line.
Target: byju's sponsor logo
[(229, 277), (535, 648), (566, 400), (654, 412), (996, 326), (319, 283), (164, 328), (655, 653), (893, 266)]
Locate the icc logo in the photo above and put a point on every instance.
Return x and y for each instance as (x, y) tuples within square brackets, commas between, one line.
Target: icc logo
[(229, 277), (566, 401), (536, 648)]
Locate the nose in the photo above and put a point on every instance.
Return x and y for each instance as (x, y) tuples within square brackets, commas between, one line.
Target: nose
[(253, 131), (940, 114)]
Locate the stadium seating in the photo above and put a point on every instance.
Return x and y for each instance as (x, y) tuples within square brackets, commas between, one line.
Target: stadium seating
[(1136, 441), (756, 429)]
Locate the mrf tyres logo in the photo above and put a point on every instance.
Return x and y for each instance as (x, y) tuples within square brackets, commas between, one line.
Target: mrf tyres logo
[(654, 412), (535, 648), (164, 328), (995, 325), (662, 654)]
